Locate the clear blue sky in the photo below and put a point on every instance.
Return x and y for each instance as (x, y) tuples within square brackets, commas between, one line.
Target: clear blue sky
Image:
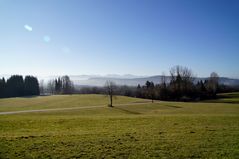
[(141, 37)]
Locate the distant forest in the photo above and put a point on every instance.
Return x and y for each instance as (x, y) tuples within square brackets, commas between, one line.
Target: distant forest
[(181, 87), (17, 86)]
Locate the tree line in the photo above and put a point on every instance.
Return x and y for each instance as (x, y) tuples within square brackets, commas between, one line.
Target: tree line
[(60, 85), (181, 86), (17, 86)]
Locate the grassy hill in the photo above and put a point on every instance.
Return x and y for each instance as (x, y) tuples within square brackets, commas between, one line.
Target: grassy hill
[(60, 101), (131, 129), (227, 98)]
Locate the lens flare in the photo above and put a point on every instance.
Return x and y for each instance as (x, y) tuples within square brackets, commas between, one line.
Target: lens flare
[(47, 38), (28, 28)]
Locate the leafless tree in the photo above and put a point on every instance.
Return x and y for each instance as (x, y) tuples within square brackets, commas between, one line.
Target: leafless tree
[(213, 83), (110, 87), (163, 78), (184, 73), (181, 80), (67, 85), (41, 87), (51, 86), (162, 91)]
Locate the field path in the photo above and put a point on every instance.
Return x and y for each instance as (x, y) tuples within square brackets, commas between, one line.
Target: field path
[(72, 108)]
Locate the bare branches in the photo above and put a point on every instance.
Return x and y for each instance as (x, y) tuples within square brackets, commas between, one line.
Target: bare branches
[(110, 87)]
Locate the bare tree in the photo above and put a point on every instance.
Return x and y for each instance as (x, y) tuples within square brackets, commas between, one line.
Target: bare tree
[(51, 86), (163, 87), (163, 79), (110, 87), (213, 83), (181, 81), (184, 73), (41, 87), (67, 85)]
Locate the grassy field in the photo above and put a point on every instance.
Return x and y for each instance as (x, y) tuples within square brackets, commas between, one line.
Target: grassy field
[(150, 130), (227, 98)]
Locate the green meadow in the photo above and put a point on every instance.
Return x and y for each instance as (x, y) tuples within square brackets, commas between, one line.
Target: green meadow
[(227, 98), (133, 128)]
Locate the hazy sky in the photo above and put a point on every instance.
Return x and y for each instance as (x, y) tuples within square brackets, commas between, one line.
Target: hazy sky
[(142, 37)]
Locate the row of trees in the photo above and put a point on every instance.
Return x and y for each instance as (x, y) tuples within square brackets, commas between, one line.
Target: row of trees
[(17, 86), (60, 85), (182, 87)]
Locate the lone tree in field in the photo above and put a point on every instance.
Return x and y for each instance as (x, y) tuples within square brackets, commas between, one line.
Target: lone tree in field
[(110, 87)]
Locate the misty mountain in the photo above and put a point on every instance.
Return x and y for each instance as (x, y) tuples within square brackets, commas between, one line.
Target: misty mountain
[(127, 79), (100, 81)]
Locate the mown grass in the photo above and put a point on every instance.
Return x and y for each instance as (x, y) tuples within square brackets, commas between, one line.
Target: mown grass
[(158, 130), (227, 98), (59, 101)]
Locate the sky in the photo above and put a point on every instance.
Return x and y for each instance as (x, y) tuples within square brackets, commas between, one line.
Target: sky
[(140, 37)]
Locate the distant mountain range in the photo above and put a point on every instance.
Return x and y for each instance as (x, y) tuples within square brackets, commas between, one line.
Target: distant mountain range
[(128, 79), (134, 81)]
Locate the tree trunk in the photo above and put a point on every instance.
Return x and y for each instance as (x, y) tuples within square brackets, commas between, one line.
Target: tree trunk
[(111, 101)]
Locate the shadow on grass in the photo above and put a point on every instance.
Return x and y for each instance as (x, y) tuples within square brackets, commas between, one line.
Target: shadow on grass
[(147, 101), (29, 97), (125, 110), (172, 106), (35, 96)]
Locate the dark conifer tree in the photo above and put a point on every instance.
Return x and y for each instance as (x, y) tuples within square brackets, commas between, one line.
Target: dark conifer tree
[(139, 91), (15, 86), (31, 86), (2, 88)]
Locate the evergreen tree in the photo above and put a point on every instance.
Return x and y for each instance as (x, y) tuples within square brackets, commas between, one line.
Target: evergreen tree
[(15, 86), (2, 88), (31, 86), (150, 91), (139, 92)]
